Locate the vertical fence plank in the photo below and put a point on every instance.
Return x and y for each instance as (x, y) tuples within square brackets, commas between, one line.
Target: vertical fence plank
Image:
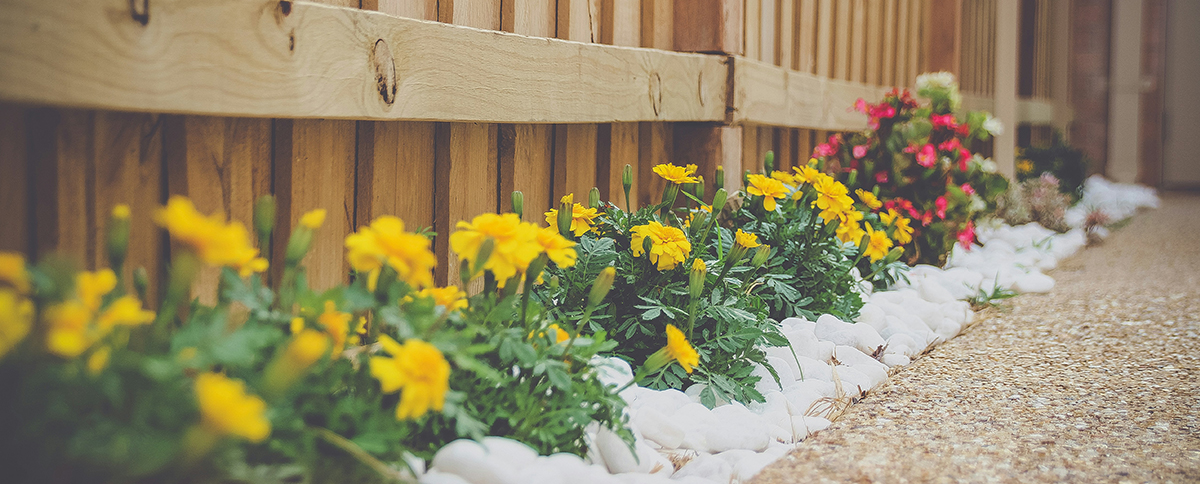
[(944, 40), (222, 165), (655, 139), (618, 142), (658, 25), (466, 155), (1005, 84), (575, 144), (858, 41), (903, 76), (526, 151), (713, 26), (786, 43), (916, 41), (314, 169), (806, 37), (825, 38), (888, 67), (128, 170), (769, 13), (396, 158), (874, 40), (841, 41), (60, 152), (15, 218), (752, 28)]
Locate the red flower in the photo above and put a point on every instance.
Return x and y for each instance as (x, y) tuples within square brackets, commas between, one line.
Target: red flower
[(927, 157), (861, 106), (823, 151), (860, 151), (941, 204), (963, 130), (964, 157), (967, 235), (968, 189), (926, 218), (881, 177), (950, 145), (943, 121)]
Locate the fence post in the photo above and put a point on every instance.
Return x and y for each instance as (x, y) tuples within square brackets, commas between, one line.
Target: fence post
[(1007, 18)]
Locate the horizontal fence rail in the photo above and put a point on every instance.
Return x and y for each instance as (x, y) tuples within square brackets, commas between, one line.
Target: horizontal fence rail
[(432, 110)]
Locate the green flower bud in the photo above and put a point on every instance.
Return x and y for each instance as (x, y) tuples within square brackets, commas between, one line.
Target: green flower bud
[(760, 256), (264, 218), (894, 255), (627, 177), (594, 198), (141, 282), (719, 201), (698, 188), (485, 253), (518, 203), (719, 182), (769, 162), (696, 278), (117, 236), (603, 284), (852, 179), (298, 245), (566, 212)]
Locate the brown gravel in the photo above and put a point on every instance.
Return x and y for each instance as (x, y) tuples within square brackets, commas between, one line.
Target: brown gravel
[(1093, 382)]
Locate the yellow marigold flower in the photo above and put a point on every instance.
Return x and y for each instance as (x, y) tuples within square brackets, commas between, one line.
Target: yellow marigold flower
[(676, 174), (746, 240), (680, 350), (125, 311), (336, 324), (868, 199), (449, 297), (1024, 166), (903, 232), (805, 174), (850, 231), (313, 219), (67, 329), (768, 188), (558, 248), (416, 367), (210, 238), (784, 177), (581, 218), (93, 286), (226, 408), (668, 245), (16, 318), (560, 334), (12, 271), (297, 325), (878, 245), (386, 242), (98, 360), (831, 194), (305, 348), (515, 243)]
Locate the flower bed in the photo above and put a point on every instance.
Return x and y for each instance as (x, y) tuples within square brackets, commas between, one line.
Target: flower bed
[(695, 338)]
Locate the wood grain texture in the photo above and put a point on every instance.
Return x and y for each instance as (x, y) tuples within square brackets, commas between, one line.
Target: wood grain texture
[(806, 36), (825, 47), (465, 181), (395, 172), (535, 18), (785, 43), (903, 76), (841, 40), (767, 30), (15, 184), (223, 165), (655, 147), (712, 26), (888, 72), (418, 9), (709, 145), (752, 29), (128, 170), (237, 58), (873, 55), (769, 95), (944, 42), (60, 151), (314, 169), (658, 24), (574, 160), (858, 41), (617, 146), (526, 155)]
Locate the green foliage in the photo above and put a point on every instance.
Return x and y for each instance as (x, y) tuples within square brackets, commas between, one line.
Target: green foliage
[(1063, 161)]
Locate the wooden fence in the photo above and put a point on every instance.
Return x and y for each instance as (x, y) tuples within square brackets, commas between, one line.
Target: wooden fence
[(432, 110)]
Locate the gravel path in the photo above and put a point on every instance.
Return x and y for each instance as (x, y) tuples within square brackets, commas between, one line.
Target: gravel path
[(1093, 382)]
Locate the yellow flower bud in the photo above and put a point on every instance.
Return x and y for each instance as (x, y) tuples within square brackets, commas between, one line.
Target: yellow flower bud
[(313, 219), (603, 284)]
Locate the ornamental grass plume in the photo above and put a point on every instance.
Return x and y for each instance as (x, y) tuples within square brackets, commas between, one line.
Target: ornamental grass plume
[(16, 318), (768, 188), (878, 244), (215, 242), (676, 174), (668, 245), (416, 367), (385, 242), (581, 218), (514, 244), (678, 349)]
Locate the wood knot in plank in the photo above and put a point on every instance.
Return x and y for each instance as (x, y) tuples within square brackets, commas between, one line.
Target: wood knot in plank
[(656, 93), (140, 11), (385, 71)]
